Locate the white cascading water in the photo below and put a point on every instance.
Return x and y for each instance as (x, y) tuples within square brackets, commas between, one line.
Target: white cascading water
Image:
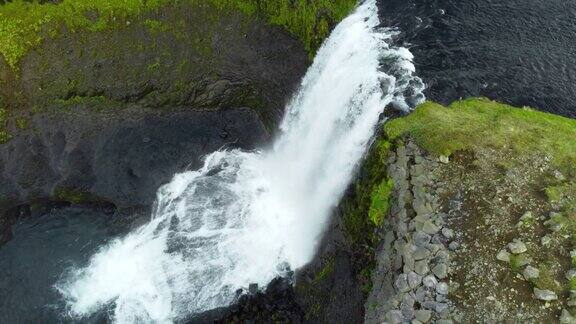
[(245, 216)]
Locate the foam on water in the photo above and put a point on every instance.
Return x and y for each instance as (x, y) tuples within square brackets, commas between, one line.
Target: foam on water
[(244, 217)]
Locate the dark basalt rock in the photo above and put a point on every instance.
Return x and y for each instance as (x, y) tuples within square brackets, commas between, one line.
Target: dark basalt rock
[(110, 124)]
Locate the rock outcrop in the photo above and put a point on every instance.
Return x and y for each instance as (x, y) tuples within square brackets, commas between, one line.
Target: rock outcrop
[(111, 115), (482, 220)]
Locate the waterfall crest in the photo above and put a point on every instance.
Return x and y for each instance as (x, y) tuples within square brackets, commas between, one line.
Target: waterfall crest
[(246, 217)]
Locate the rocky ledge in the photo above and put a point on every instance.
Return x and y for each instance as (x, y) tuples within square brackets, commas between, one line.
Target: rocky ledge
[(480, 224)]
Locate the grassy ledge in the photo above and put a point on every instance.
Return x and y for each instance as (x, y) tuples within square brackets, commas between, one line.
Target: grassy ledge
[(479, 122), (25, 25)]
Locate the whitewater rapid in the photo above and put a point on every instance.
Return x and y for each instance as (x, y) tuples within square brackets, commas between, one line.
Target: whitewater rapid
[(246, 217)]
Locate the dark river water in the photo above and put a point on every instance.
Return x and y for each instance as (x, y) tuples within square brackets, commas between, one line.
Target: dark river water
[(42, 249), (521, 52)]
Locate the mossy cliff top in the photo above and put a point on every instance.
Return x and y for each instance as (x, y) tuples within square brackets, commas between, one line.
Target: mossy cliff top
[(488, 141), (478, 122), (25, 25)]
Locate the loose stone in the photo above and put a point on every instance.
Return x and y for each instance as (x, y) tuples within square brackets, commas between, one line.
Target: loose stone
[(394, 317), (440, 270), (544, 294), (414, 280), (448, 233), (421, 238), (421, 267), (531, 273), (430, 281), (430, 228), (421, 253), (517, 247), (453, 246), (440, 307), (442, 288), (545, 240), (402, 283), (423, 315), (566, 317), (570, 274), (503, 255), (444, 321)]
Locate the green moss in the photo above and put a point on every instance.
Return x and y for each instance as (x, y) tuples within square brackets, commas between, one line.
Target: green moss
[(4, 135), (546, 280), (372, 192), (478, 122), (326, 269), (518, 261), (154, 66), (380, 201), (22, 123), (22, 23), (156, 26), (75, 196)]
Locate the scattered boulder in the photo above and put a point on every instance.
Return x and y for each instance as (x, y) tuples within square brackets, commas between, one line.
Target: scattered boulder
[(440, 270), (421, 267), (421, 238), (453, 246), (531, 273), (442, 288), (423, 315), (414, 280), (394, 317), (503, 255), (430, 281), (430, 228), (566, 317), (544, 294), (570, 274), (402, 283), (421, 253), (448, 233), (517, 247)]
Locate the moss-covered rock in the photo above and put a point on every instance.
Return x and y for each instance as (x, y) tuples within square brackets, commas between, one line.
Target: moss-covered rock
[(24, 25)]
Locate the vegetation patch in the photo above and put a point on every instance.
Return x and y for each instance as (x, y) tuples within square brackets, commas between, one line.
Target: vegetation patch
[(25, 24), (479, 122), (4, 135), (74, 196), (364, 211)]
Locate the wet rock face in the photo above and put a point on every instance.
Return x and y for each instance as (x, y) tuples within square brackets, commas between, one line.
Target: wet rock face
[(113, 123), (276, 303), (123, 161)]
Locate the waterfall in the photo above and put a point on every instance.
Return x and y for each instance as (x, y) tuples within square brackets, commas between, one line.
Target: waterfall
[(247, 217)]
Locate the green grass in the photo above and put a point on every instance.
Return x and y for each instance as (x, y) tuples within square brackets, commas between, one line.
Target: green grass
[(380, 201), (478, 122), (25, 25), (546, 280)]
